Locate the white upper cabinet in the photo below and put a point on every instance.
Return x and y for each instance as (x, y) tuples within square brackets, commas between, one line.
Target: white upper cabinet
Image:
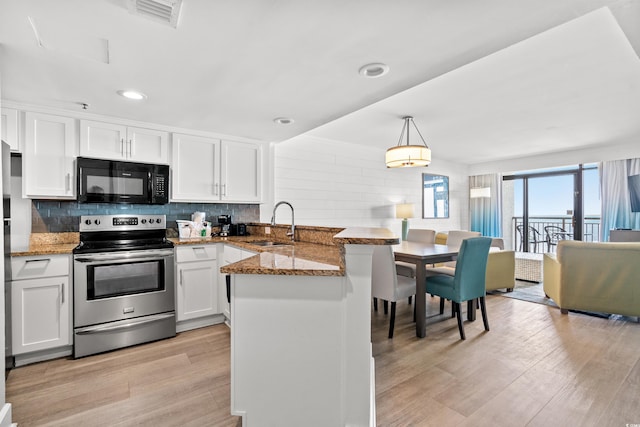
[(10, 128), (118, 142), (206, 169), (241, 171), (148, 145), (195, 168), (48, 160)]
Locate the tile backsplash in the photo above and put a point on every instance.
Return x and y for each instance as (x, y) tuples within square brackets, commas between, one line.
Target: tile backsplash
[(48, 216)]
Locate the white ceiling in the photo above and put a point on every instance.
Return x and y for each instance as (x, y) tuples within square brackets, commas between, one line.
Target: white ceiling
[(487, 80)]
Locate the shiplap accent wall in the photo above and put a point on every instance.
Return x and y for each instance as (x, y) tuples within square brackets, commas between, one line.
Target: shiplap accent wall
[(335, 183)]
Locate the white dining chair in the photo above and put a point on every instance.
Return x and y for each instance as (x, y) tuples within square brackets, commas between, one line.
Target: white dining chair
[(386, 284), (415, 235)]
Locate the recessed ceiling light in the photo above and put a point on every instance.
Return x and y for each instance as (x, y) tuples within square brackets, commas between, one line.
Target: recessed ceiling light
[(374, 70), (283, 120), (132, 94)]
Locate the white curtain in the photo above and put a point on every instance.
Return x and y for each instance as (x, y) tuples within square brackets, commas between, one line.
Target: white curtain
[(615, 199), (485, 211)]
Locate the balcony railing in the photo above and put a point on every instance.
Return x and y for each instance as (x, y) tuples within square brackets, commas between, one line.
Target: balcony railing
[(590, 231)]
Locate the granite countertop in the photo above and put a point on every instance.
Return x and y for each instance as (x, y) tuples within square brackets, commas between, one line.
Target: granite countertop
[(288, 258), (309, 259), (325, 258), (299, 258), (49, 244), (53, 249)]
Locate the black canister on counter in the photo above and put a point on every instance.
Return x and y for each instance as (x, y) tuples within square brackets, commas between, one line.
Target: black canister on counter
[(238, 230)]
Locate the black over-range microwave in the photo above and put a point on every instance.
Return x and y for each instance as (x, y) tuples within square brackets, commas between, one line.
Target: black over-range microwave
[(111, 181)]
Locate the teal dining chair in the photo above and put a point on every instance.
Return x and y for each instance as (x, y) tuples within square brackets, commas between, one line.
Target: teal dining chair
[(468, 283)]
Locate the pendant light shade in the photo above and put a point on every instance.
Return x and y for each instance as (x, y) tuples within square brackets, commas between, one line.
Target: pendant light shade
[(407, 155)]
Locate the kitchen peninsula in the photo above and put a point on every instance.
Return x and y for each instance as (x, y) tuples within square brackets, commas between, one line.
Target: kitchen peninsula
[(300, 320), (300, 337)]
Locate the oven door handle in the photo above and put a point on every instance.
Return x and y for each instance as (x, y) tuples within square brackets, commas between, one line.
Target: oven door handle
[(134, 322), (124, 256)]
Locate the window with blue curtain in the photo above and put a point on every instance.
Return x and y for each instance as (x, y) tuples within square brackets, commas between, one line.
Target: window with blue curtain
[(485, 204)]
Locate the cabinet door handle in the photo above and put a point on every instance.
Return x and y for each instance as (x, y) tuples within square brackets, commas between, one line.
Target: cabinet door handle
[(180, 277), (122, 149), (130, 148), (224, 189), (61, 293)]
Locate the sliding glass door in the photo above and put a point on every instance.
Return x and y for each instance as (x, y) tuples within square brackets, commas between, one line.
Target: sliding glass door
[(548, 206)]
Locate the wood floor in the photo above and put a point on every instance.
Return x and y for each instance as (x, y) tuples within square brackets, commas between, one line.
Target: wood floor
[(535, 367)]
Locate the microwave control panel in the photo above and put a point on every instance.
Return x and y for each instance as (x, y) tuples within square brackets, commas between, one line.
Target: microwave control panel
[(160, 185)]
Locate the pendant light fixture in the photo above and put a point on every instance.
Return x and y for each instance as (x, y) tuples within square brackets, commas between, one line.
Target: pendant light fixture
[(407, 156)]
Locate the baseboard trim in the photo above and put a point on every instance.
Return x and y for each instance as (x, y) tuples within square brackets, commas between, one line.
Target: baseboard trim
[(42, 355), (186, 325)]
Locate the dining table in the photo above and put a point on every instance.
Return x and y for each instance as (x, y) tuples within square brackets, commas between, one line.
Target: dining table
[(422, 254)]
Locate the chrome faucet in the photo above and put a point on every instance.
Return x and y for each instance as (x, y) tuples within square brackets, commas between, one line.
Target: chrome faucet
[(293, 226)]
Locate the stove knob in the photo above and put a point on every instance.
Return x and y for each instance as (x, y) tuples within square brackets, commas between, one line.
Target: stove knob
[(144, 221), (158, 220), (97, 221), (87, 221)]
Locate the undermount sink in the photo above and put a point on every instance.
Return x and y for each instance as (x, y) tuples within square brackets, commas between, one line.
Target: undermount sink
[(270, 243)]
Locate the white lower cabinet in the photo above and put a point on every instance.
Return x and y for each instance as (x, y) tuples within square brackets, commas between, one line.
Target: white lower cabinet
[(197, 286), (231, 255), (40, 303)]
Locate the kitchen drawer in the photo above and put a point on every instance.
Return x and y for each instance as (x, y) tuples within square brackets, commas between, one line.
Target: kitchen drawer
[(189, 253), (33, 267)]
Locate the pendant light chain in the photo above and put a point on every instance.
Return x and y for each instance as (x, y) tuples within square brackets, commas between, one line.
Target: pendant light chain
[(418, 130)]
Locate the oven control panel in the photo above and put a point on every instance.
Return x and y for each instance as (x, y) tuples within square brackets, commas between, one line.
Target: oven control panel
[(122, 222), (125, 220)]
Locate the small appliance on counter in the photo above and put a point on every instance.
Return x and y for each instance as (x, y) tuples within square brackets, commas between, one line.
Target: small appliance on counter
[(226, 228), (224, 223), (238, 229)]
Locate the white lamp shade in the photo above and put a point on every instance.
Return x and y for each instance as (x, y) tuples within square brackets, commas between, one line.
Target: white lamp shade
[(478, 192), (404, 210), (403, 156)]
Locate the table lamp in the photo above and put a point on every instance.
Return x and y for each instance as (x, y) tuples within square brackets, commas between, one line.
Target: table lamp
[(404, 211)]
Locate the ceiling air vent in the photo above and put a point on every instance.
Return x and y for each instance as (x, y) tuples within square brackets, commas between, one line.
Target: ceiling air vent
[(164, 11)]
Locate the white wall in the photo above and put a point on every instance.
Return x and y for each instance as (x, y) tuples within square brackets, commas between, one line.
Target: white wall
[(612, 151), (334, 183)]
